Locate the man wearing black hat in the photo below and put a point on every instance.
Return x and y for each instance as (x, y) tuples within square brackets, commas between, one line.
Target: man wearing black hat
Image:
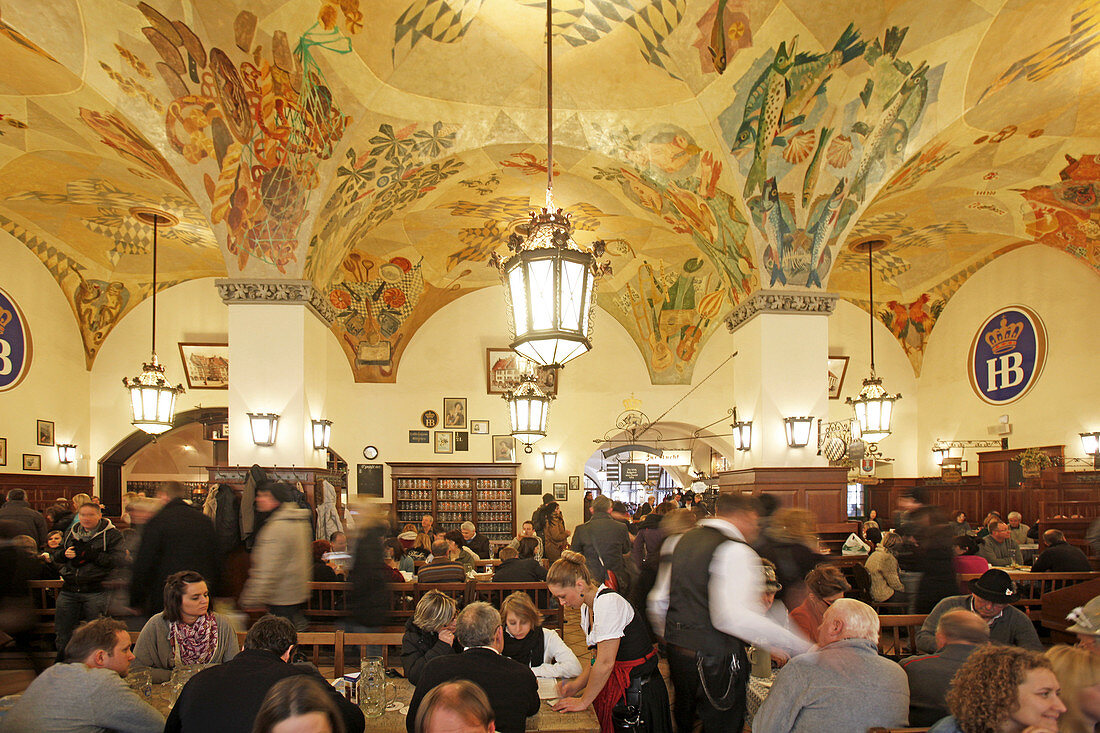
[(990, 597), (280, 572)]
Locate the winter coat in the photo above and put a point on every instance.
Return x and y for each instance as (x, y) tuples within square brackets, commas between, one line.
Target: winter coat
[(647, 540), (223, 508), (255, 477), (368, 599), (32, 522), (96, 558), (328, 519), (554, 538), (178, 537), (281, 560), (418, 647)]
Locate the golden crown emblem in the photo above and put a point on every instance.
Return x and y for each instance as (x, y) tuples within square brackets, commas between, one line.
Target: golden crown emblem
[(1004, 338), (632, 402), (5, 318)]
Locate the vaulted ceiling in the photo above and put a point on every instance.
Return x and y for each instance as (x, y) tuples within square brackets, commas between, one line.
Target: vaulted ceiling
[(384, 148)]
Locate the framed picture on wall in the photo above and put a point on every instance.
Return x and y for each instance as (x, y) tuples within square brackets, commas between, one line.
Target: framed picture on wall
[(206, 366), (462, 440), (561, 492), (574, 483), (3, 451), (838, 367), (502, 372), (444, 441), (504, 449), (479, 427), (32, 462), (45, 432), (454, 412)]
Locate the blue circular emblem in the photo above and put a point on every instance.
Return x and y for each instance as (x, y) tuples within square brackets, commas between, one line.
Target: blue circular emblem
[(1007, 355), (15, 344)]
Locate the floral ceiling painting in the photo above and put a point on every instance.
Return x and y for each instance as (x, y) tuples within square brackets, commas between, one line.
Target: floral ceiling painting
[(384, 150)]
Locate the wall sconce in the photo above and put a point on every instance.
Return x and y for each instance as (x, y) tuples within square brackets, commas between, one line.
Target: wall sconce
[(742, 433), (549, 460), (264, 427), (798, 430), (1090, 443), (322, 433), (66, 452)]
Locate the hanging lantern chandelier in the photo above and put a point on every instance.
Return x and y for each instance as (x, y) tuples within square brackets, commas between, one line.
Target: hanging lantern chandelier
[(549, 280), (152, 398), (528, 408), (874, 406)]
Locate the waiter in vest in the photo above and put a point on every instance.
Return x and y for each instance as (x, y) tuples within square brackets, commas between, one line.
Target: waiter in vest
[(709, 609)]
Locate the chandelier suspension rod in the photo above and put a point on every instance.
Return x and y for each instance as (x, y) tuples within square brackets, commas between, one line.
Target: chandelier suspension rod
[(871, 288), (156, 220), (549, 105)]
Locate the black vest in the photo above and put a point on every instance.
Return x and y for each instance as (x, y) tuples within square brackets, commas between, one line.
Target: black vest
[(636, 642), (688, 622)]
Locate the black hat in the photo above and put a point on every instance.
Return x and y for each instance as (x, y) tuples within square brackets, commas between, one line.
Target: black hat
[(994, 586)]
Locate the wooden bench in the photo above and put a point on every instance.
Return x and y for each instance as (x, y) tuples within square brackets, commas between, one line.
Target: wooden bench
[(494, 594), (44, 597), (1032, 586)]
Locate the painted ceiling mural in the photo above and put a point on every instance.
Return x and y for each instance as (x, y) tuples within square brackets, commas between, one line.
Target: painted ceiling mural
[(384, 149)]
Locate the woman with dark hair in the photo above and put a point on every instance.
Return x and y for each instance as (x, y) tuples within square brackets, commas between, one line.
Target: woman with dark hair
[(826, 584), (298, 703), (966, 558), (1003, 689), (459, 552), (959, 525), (402, 559), (322, 571), (186, 631), (550, 526)]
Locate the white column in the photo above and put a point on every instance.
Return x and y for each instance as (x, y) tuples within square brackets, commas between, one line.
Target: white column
[(782, 342), (277, 365)]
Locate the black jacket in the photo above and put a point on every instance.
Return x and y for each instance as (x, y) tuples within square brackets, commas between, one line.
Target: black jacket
[(603, 537), (227, 519), (418, 647), (929, 675), (1062, 558), (368, 598), (33, 523), (227, 696), (479, 544), (178, 537), (96, 558), (510, 686), (518, 570)]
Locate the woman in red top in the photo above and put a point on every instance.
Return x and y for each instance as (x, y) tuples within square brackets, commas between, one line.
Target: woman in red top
[(826, 584), (966, 558)]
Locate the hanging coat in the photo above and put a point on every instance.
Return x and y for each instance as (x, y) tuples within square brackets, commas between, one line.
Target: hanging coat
[(328, 519), (255, 477)]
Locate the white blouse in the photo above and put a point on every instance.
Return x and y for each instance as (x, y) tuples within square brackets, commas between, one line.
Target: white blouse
[(612, 613)]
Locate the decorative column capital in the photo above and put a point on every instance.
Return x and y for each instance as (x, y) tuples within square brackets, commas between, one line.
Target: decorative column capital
[(301, 292), (808, 303)]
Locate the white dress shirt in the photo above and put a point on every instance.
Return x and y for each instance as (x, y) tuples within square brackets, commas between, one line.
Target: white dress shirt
[(735, 590)]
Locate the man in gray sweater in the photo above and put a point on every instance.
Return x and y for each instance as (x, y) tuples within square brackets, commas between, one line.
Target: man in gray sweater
[(86, 694), (842, 686), (999, 549), (990, 597)]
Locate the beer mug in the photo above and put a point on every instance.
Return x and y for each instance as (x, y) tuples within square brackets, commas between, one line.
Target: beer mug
[(373, 688)]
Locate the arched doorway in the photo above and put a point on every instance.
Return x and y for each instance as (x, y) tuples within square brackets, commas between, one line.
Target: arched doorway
[(112, 463)]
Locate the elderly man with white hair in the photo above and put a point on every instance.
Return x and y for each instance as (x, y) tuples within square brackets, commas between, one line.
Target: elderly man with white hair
[(1017, 530), (844, 685), (478, 543)]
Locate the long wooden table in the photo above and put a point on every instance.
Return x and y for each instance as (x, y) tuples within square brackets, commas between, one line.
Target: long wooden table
[(393, 721)]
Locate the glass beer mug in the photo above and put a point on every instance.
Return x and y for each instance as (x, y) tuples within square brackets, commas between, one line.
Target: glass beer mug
[(375, 693)]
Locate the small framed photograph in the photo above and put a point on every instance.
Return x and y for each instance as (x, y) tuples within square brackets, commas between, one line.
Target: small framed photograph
[(45, 433), (32, 462), (504, 449), (574, 483), (479, 427), (561, 492), (206, 366), (503, 368), (838, 367), (462, 440), (3, 451), (419, 436), (444, 441), (454, 413)]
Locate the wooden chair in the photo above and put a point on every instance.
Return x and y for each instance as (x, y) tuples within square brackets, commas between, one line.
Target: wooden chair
[(327, 602), (458, 591), (361, 640), (44, 597), (1032, 586), (898, 634)]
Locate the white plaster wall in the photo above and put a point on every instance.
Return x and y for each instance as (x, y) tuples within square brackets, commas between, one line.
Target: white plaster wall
[(190, 311), (56, 387), (446, 358), (1064, 401), (849, 336)]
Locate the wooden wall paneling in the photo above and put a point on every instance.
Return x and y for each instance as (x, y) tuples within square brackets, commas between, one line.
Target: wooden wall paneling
[(43, 489)]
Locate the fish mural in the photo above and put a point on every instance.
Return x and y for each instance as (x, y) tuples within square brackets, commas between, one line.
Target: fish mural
[(809, 155)]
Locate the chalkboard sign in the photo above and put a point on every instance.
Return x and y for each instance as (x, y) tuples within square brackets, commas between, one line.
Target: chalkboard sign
[(632, 472), (530, 486), (368, 479)]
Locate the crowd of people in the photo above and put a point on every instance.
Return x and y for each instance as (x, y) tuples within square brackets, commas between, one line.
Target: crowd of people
[(721, 589)]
